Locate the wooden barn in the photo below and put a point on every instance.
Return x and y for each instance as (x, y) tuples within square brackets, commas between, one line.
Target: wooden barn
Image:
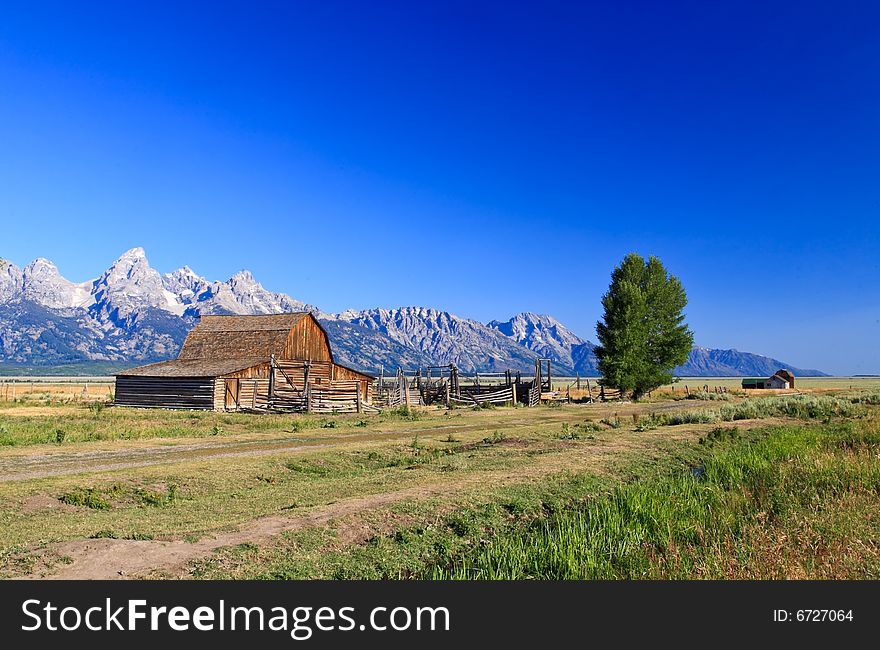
[(232, 363), (781, 380)]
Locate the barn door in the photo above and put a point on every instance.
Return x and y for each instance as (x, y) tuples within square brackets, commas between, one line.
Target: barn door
[(232, 391)]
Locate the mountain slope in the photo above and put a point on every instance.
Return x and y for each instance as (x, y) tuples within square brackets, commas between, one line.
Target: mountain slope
[(707, 362), (133, 314), (445, 338), (548, 338)]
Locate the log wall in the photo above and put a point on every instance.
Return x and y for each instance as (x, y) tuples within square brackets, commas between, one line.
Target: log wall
[(165, 392)]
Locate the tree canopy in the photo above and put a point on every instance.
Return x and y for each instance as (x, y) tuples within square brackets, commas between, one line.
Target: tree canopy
[(642, 335)]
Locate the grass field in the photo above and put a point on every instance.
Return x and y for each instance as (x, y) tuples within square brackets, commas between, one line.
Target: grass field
[(801, 383), (740, 487)]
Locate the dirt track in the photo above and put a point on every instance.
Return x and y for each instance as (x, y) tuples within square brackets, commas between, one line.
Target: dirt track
[(109, 559), (126, 558), (36, 462)]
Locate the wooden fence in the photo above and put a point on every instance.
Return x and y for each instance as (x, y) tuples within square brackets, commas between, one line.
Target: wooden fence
[(499, 396), (302, 387)]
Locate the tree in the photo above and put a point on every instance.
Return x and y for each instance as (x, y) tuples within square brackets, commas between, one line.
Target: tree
[(642, 336)]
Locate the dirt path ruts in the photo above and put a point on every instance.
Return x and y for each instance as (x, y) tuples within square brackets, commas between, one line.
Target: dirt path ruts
[(39, 464), (111, 559), (119, 559)]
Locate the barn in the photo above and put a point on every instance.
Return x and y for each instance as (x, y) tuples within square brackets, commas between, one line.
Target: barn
[(232, 363), (781, 380)]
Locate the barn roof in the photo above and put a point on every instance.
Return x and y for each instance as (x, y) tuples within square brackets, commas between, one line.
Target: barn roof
[(238, 337), (262, 323), (194, 367)]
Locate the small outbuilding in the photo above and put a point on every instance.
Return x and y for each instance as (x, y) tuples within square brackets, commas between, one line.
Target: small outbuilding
[(786, 375), (781, 380), (231, 363)]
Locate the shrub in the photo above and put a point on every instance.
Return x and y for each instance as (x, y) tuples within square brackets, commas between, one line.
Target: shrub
[(158, 499), (712, 397), (96, 408), (569, 432), (693, 417), (87, 497), (804, 407), (651, 422), (495, 438)]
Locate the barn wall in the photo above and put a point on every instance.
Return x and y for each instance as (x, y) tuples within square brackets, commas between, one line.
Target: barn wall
[(308, 341), (219, 394), (257, 372), (254, 394), (165, 392), (319, 371), (342, 373)]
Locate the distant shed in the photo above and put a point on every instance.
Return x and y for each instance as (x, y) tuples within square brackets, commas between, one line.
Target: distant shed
[(781, 380), (786, 375), (237, 362)]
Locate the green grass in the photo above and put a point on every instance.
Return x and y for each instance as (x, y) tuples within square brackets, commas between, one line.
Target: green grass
[(713, 520), (716, 508), (510, 475), (804, 407), (430, 533), (93, 422)]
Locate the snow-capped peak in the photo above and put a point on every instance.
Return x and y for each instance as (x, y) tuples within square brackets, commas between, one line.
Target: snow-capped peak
[(185, 283), (10, 280), (42, 283), (129, 285)]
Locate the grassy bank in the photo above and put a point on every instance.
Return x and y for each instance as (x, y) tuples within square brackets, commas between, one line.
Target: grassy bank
[(799, 503), (596, 490), (778, 502)]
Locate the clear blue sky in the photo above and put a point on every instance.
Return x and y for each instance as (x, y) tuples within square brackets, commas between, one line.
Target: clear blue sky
[(366, 154)]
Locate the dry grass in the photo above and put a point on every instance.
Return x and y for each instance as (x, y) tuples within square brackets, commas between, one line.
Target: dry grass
[(188, 483)]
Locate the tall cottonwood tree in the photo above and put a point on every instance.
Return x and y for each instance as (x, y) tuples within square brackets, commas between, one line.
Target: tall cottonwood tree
[(642, 336)]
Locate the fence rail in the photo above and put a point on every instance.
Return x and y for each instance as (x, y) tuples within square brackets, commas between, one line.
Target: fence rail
[(495, 397)]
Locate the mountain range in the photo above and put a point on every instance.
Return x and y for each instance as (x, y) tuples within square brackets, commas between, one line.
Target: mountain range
[(131, 314)]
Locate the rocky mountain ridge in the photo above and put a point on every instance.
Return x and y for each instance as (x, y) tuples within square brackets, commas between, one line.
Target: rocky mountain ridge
[(133, 314)]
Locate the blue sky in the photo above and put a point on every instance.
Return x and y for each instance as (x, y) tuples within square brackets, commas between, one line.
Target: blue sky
[(366, 154)]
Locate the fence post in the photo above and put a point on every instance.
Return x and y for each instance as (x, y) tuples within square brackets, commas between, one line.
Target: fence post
[(271, 381), (513, 393), (357, 393)]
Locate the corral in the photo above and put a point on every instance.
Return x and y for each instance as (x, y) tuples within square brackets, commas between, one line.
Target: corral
[(259, 363), (447, 385)]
